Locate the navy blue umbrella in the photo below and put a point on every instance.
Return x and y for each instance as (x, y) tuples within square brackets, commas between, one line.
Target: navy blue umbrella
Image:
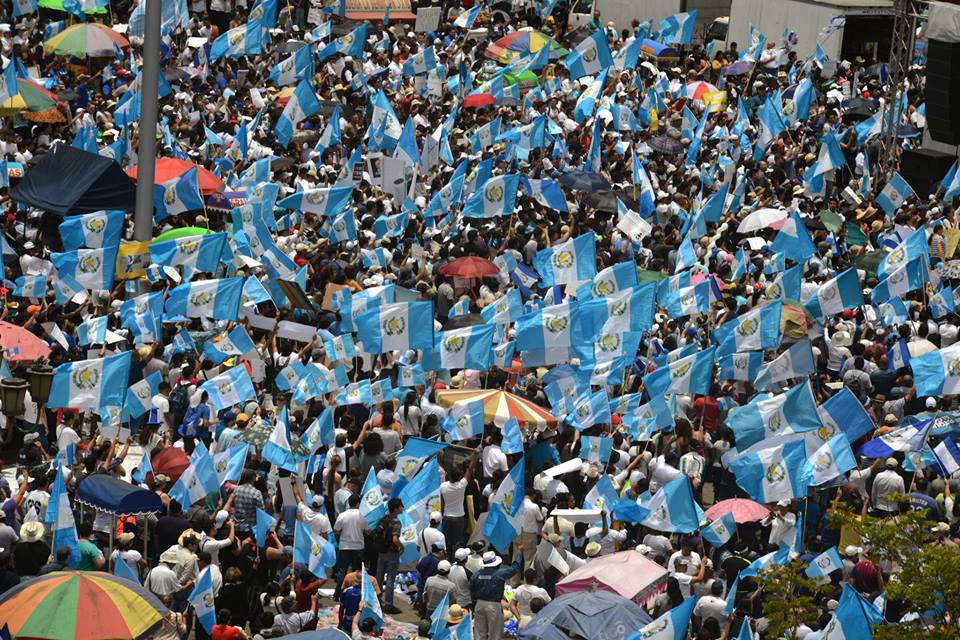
[(584, 181), (593, 614)]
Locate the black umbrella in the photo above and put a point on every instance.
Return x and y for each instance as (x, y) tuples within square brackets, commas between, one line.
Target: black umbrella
[(67, 96), (861, 103), (856, 115), (666, 144), (466, 320), (290, 46), (607, 201), (327, 106), (279, 164), (907, 131), (584, 181)]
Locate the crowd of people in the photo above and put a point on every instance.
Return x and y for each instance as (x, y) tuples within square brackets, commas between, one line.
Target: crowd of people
[(684, 271)]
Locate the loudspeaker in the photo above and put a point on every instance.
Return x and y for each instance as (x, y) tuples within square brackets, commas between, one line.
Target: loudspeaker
[(924, 168), (943, 91)]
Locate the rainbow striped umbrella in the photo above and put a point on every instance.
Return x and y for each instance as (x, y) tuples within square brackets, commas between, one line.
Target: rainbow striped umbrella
[(499, 406), (87, 39), (523, 43), (80, 605)]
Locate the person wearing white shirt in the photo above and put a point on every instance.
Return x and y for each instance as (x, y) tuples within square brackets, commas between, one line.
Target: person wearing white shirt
[(318, 522), (493, 460), (887, 483), (452, 494), (431, 536), (686, 555), (350, 528), (685, 580), (607, 538), (66, 434), (532, 517), (783, 525), (712, 606)]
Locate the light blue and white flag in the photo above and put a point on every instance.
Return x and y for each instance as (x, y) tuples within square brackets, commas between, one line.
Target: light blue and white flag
[(793, 240), (773, 474), (230, 388), (948, 455), (742, 366), (497, 197), (59, 519), (569, 262), (512, 441), (465, 420), (277, 450), (587, 101), (595, 448), (373, 504), (298, 66), (547, 192), (678, 28), (420, 63), (91, 384), (30, 287), (915, 246), (589, 57), (824, 564), (764, 417), (218, 299), (951, 182), (139, 398), (350, 44), (505, 309), (900, 281), (396, 327), (466, 348), (690, 375), (894, 194), (937, 373), (673, 508), (503, 522), (91, 268), (673, 624), (754, 330), (589, 410), (235, 343), (245, 40), (836, 295), (831, 459), (551, 332), (467, 17), (202, 600), (340, 348), (312, 550), (177, 195), (93, 230), (320, 433), (796, 362), (786, 285), (201, 253), (228, 465), (323, 201), (302, 104), (355, 393), (720, 531)]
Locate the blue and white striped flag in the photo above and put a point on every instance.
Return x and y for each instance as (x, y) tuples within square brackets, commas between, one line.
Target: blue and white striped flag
[(893, 195), (465, 348), (91, 384), (218, 299), (323, 201), (93, 230), (93, 269), (298, 66), (589, 57), (245, 40), (302, 104), (719, 532), (231, 388), (569, 262), (824, 564), (235, 343), (465, 420), (177, 195)]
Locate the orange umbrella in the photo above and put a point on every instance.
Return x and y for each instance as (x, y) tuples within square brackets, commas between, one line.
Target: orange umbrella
[(499, 406), (169, 168)]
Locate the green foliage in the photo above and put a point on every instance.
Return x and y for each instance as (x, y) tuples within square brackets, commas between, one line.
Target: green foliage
[(789, 598)]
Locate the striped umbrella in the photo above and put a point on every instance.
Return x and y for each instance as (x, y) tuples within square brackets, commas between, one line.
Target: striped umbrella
[(499, 406), (87, 39), (80, 605), (33, 102)]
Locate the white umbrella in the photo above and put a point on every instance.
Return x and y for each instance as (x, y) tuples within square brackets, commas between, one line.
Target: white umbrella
[(761, 218)]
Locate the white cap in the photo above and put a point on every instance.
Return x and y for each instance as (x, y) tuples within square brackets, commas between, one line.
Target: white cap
[(931, 403), (443, 566), (435, 516)]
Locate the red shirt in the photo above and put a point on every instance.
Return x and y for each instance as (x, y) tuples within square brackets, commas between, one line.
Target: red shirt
[(225, 632), (707, 406)]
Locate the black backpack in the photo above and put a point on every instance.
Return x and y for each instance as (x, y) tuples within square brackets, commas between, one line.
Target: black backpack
[(179, 403), (383, 534)]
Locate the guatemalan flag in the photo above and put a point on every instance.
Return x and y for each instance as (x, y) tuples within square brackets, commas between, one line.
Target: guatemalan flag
[(396, 327), (312, 550), (673, 624), (466, 348), (93, 230), (673, 508), (756, 329), (235, 343), (298, 66), (218, 299), (590, 57), (91, 384), (901, 281), (323, 201), (30, 287), (773, 474), (915, 246), (140, 395), (351, 44), (277, 450), (496, 198), (824, 564), (91, 268), (202, 600), (937, 373), (245, 40), (796, 362), (465, 420), (569, 262), (302, 104), (551, 333), (505, 309), (59, 518), (719, 532), (503, 524), (835, 295), (177, 195), (894, 194), (689, 375), (766, 416), (194, 253), (230, 388), (678, 28)]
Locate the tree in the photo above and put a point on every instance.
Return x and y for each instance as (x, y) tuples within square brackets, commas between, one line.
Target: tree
[(789, 598)]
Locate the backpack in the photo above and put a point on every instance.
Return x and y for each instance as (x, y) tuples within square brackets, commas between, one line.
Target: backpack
[(383, 535), (191, 422), (179, 403)]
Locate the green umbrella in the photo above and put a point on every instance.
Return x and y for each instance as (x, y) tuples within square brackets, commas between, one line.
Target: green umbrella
[(525, 78), (58, 5), (182, 232)]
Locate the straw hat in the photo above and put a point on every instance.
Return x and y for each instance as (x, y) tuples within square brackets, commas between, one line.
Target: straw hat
[(31, 531)]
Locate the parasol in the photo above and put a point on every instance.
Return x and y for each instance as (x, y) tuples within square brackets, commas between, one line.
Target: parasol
[(181, 232), (628, 573), (595, 614), (696, 90), (584, 181), (169, 168), (469, 267), (743, 510), (524, 43), (86, 39), (499, 406), (171, 462), (88, 605), (33, 102), (738, 68), (486, 99), (762, 218), (19, 345), (606, 201), (666, 144)]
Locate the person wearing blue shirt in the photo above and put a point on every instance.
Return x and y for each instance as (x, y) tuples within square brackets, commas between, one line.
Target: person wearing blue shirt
[(487, 585), (543, 454)]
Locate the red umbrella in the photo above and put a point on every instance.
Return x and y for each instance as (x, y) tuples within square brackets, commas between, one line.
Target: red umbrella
[(169, 168), (171, 462), (469, 267), (478, 100), (19, 345), (743, 510)]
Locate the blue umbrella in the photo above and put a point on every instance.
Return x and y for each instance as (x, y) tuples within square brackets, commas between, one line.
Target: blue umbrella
[(738, 68), (587, 614), (329, 633)]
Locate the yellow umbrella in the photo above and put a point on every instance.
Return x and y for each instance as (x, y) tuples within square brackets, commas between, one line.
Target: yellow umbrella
[(499, 406)]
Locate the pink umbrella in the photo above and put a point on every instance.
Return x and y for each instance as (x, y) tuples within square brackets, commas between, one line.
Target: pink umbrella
[(19, 345), (628, 573), (743, 510)]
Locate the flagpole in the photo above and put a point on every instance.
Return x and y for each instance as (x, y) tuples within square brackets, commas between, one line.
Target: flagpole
[(147, 144)]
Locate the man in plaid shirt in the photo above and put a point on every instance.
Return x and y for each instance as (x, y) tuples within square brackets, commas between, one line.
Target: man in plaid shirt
[(246, 500)]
